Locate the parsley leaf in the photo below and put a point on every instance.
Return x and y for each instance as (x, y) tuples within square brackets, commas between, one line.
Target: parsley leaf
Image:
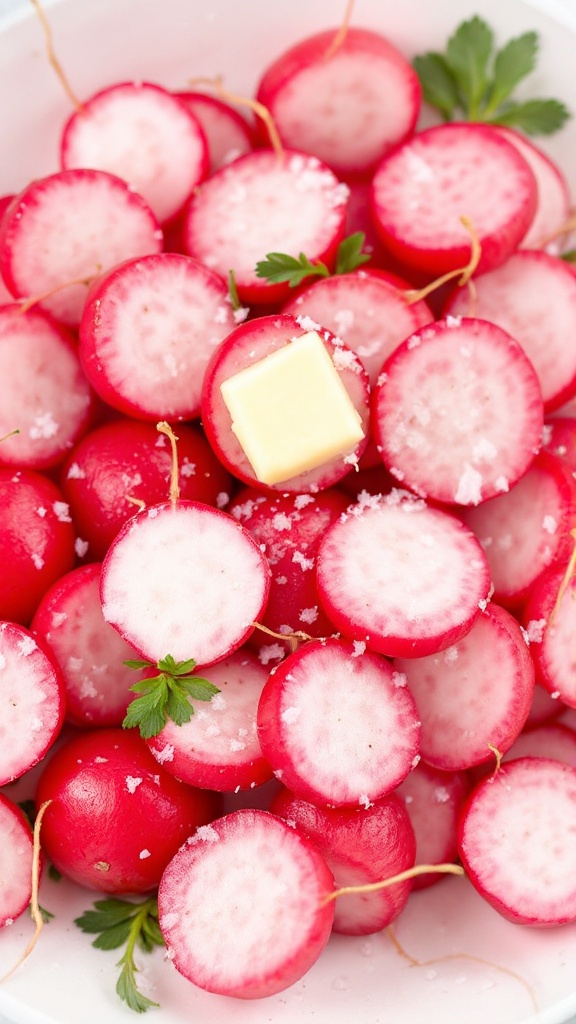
[(166, 695), (468, 52), (512, 63), (350, 255), (439, 87), (117, 923), (279, 267), (535, 117)]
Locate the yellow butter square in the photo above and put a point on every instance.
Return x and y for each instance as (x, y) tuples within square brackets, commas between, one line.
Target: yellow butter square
[(291, 412)]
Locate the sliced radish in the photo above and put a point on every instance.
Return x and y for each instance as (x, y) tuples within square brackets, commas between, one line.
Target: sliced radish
[(143, 134), (559, 438), (147, 332), (337, 724), (31, 700), (228, 134), (406, 579), (532, 297), (38, 365), (241, 906), (249, 343), (475, 696), (205, 606), (527, 530), (367, 309), (555, 741), (348, 103), (219, 748), (305, 208), (423, 189), (72, 226), (518, 841), (15, 862), (550, 620), (457, 411), (545, 708), (359, 845), (433, 800)]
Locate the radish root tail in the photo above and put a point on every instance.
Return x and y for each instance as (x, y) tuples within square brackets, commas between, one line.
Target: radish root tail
[(403, 876), (53, 59), (464, 274)]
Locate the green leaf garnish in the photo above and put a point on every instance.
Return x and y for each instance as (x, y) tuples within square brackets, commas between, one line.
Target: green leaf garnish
[(473, 81), (350, 255), (279, 267), (166, 695), (117, 923)]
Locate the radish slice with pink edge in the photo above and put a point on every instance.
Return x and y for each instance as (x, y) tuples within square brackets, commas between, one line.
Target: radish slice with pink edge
[(559, 438), (424, 187), (549, 617), (16, 852), (219, 748), (144, 135), (5, 294), (305, 208), (360, 846), (532, 297), (433, 800), (367, 309), (527, 530), (241, 906), (347, 100), (32, 700), (545, 708), (38, 365), (403, 578), (228, 134), (205, 606), (555, 741), (337, 724), (475, 695), (147, 332), (457, 411), (246, 345), (72, 226), (517, 841)]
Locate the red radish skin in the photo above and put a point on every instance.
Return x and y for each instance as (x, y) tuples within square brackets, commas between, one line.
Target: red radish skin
[(555, 741), (72, 226), (305, 212), (360, 846), (544, 708), (36, 540), (129, 459), (457, 411), (517, 841), (405, 579), (206, 606), (348, 103), (15, 862), (249, 343), (32, 700), (549, 620), (218, 748), (134, 130), (559, 438), (433, 801), (424, 187), (38, 365), (147, 332), (337, 724), (5, 294), (241, 906), (116, 817), (228, 134), (475, 695)]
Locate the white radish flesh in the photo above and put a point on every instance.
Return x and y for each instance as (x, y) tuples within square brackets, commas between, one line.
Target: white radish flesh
[(550, 621), (15, 862)]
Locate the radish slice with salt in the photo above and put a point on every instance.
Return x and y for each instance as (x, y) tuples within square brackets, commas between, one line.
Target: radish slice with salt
[(433, 800), (549, 617), (228, 134), (517, 841), (32, 699), (15, 862), (458, 412), (555, 741), (405, 579), (205, 606), (337, 724), (241, 906)]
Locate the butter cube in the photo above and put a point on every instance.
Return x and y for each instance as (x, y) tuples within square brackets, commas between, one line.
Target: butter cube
[(291, 411)]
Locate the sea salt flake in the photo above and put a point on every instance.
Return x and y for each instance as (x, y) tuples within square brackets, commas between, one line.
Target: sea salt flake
[(441, 795), (81, 547), (309, 615), (305, 563), (37, 560), (358, 648), (222, 499), (218, 702), (166, 754), (535, 630), (132, 783), (61, 510), (364, 801), (307, 323), (281, 521), (75, 472), (236, 746), (44, 426), (271, 652), (302, 500), (281, 580), (399, 679), (549, 524), (469, 490), (41, 511), (26, 646), (187, 468), (144, 854)]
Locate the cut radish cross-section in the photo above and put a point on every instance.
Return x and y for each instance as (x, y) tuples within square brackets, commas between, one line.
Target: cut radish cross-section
[(15, 861)]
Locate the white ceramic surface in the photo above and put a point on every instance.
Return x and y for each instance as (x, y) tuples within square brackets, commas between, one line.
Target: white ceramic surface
[(484, 969)]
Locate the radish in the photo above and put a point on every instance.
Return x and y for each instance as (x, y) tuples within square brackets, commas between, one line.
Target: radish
[(403, 578), (15, 862), (347, 98), (241, 906), (147, 332), (475, 173), (544, 709), (433, 800), (31, 700), (555, 741), (549, 620), (517, 841), (116, 817), (134, 130), (70, 227), (457, 411), (228, 134), (559, 438), (337, 724)]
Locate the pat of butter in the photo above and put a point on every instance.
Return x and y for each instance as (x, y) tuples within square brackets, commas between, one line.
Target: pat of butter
[(291, 411)]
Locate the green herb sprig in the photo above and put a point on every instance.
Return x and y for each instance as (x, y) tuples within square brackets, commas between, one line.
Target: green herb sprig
[(165, 695), (279, 267), (135, 925), (473, 81)]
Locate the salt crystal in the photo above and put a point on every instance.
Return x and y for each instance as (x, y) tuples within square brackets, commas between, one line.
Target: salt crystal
[(271, 652), (302, 500), (359, 648), (399, 679), (469, 490), (237, 745), (549, 524), (441, 795), (37, 560), (26, 646), (305, 563), (144, 854), (41, 511), (75, 472), (309, 615), (166, 754), (44, 426), (281, 580), (61, 510), (222, 499), (204, 834), (81, 547), (132, 783), (188, 468), (535, 630), (218, 702), (364, 801), (281, 521)]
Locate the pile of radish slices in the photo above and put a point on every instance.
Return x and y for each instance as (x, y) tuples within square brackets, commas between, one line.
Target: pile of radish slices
[(386, 638)]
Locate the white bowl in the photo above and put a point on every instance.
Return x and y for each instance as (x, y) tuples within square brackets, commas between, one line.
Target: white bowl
[(477, 967)]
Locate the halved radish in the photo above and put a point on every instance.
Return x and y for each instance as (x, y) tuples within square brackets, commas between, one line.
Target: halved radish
[(15, 862), (550, 619), (559, 438), (241, 906), (433, 800), (228, 134), (554, 740)]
